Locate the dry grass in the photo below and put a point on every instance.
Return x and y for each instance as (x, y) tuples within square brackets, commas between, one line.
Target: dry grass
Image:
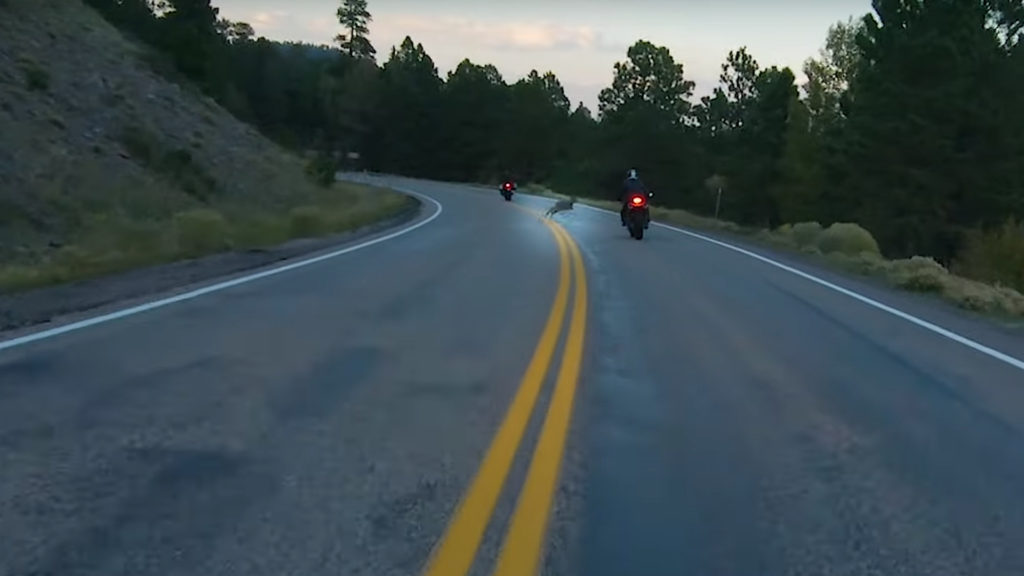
[(113, 241)]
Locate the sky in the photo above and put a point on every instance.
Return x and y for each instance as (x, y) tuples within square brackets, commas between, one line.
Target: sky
[(578, 40)]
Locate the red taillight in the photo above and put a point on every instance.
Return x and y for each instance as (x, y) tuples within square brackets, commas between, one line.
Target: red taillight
[(638, 200), (508, 186)]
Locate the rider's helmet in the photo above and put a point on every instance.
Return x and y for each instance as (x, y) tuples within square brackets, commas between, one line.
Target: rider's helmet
[(631, 175)]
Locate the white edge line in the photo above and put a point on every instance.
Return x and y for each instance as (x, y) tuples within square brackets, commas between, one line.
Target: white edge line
[(104, 318), (977, 346)]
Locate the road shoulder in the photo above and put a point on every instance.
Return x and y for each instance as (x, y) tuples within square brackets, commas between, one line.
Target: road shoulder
[(55, 304)]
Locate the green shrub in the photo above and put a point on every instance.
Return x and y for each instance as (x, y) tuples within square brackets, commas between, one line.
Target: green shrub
[(805, 233), (321, 170), (177, 166), (193, 179), (847, 238), (864, 263), (973, 297), (780, 237), (996, 256), (201, 231), (307, 221), (1010, 300), (978, 297), (918, 274)]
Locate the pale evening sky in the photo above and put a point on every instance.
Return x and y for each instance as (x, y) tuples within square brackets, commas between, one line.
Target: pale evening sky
[(579, 41)]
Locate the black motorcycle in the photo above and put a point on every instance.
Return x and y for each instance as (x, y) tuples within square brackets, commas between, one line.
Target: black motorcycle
[(507, 189), (638, 213)]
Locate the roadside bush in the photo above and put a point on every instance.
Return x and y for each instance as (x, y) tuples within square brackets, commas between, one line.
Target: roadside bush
[(864, 263), (201, 231), (978, 297), (846, 238), (994, 257), (307, 221), (321, 169), (193, 179), (917, 274), (805, 234)]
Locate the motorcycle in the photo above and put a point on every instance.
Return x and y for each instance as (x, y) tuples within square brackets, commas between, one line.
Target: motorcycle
[(507, 189), (638, 214)]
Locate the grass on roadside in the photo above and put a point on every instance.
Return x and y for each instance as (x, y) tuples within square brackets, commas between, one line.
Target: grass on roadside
[(111, 241), (853, 249)]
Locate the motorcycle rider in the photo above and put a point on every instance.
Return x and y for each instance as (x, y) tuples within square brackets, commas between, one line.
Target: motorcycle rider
[(508, 180), (631, 185)]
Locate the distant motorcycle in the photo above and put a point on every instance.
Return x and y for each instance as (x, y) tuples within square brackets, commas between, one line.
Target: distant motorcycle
[(507, 189), (638, 213)]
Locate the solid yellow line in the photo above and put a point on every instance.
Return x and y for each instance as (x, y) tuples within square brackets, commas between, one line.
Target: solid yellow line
[(455, 552), (521, 551)]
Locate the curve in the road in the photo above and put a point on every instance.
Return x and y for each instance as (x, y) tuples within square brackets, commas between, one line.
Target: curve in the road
[(524, 541), (217, 287)]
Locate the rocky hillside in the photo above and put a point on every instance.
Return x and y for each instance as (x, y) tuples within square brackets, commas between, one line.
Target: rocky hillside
[(93, 136), (120, 179)]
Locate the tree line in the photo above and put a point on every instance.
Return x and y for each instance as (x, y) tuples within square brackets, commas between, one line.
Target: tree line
[(911, 121)]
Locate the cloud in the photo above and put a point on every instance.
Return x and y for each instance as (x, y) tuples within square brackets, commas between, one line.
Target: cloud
[(268, 20), (498, 36)]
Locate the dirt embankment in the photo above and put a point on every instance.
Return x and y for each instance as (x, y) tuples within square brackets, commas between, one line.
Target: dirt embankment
[(117, 182)]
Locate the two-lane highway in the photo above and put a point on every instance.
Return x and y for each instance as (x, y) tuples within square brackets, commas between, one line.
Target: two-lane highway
[(489, 391)]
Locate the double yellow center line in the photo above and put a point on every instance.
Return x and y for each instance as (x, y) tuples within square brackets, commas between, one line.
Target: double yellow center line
[(523, 545)]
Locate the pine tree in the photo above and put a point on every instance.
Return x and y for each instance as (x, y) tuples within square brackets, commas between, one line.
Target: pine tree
[(354, 16)]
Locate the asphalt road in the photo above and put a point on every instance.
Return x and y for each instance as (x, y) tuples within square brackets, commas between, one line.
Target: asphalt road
[(680, 408)]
